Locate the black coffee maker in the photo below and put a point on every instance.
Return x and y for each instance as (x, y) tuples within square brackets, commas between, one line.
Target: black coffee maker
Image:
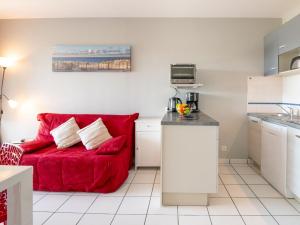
[(192, 99)]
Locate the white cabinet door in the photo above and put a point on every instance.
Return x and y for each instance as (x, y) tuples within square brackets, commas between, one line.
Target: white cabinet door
[(274, 155), (148, 148), (254, 139), (293, 168)]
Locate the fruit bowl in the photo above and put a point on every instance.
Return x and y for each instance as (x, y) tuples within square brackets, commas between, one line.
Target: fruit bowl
[(183, 109)]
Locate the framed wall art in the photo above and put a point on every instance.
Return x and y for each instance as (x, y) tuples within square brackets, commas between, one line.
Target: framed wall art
[(91, 58)]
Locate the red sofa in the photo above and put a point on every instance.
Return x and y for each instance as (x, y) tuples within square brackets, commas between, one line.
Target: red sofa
[(75, 168)]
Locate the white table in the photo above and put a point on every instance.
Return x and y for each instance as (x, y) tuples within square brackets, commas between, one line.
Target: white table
[(17, 180)]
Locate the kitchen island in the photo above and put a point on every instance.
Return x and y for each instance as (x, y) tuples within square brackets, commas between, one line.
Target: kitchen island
[(189, 163)]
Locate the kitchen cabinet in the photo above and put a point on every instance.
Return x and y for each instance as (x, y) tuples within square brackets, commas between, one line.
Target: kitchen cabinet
[(289, 35), (147, 142), (293, 169), (254, 139), (274, 156), (282, 40), (271, 53)]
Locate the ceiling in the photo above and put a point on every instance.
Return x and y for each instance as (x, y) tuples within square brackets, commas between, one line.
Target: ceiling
[(146, 8)]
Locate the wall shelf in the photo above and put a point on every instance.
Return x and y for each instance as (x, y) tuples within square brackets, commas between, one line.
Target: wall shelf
[(290, 72), (186, 86)]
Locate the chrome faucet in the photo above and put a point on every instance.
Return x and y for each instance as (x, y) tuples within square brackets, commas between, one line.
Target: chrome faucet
[(290, 112)]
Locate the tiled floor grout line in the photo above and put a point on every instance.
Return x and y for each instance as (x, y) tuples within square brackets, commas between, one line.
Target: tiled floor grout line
[(177, 211), (230, 197), (58, 208), (237, 173), (135, 172), (209, 216), (235, 205), (150, 198), (40, 199), (220, 180), (293, 205), (256, 198), (252, 184), (87, 209), (80, 213), (48, 218)]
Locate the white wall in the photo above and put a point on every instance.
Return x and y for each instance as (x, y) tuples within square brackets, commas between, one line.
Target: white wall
[(226, 52), (264, 89), (291, 13), (291, 89), (273, 89)]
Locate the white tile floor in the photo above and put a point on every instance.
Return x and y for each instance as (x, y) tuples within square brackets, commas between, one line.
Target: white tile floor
[(244, 198)]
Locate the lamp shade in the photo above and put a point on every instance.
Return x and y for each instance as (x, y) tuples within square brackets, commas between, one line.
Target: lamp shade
[(12, 103), (6, 62)]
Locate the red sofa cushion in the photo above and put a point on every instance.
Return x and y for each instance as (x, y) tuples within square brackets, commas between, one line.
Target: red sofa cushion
[(112, 146), (34, 145)]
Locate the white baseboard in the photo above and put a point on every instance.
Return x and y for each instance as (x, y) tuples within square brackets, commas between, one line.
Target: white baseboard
[(224, 161), (250, 161), (235, 161), (239, 161)]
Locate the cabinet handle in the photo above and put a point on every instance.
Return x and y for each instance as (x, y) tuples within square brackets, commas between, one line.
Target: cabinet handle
[(274, 68), (297, 136), (281, 46), (254, 121)]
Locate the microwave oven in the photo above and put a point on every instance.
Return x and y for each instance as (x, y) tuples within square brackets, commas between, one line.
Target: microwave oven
[(183, 73)]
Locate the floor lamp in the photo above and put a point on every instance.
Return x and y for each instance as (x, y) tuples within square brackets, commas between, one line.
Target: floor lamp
[(4, 64)]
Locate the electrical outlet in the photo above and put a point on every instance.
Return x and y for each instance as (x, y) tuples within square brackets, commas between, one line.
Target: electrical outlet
[(224, 148)]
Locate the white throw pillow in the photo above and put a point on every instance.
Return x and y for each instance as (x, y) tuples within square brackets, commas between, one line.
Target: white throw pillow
[(93, 135), (65, 135)]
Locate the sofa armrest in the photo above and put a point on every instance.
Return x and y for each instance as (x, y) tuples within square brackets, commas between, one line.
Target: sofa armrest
[(34, 145), (112, 146)]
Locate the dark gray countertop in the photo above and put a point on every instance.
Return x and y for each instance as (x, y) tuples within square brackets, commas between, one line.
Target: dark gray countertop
[(196, 119), (280, 119)]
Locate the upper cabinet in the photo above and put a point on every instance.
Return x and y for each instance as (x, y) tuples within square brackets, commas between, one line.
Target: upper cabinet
[(271, 53), (279, 47), (289, 35)]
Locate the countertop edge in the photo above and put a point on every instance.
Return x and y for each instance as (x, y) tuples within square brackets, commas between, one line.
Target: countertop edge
[(201, 119), (270, 119)]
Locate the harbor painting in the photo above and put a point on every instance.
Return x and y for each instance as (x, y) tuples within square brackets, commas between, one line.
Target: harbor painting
[(91, 58)]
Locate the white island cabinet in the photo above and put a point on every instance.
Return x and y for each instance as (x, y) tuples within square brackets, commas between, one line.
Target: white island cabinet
[(189, 159)]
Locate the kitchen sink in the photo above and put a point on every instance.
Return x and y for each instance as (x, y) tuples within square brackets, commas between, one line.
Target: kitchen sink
[(296, 121)]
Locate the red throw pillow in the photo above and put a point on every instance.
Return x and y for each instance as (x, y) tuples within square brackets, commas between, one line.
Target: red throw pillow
[(35, 145), (112, 146)]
